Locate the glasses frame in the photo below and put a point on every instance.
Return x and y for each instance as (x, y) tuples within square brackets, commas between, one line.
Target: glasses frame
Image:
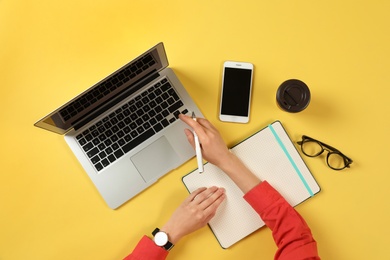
[(325, 147)]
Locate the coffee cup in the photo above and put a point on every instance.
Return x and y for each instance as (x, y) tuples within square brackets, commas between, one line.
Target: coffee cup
[(293, 96)]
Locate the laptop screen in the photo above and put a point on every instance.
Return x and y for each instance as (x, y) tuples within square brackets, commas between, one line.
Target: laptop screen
[(127, 79)]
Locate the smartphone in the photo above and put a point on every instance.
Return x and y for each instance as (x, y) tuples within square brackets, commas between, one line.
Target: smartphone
[(236, 92)]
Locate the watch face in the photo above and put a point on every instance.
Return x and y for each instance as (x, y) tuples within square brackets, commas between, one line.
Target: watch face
[(161, 238)]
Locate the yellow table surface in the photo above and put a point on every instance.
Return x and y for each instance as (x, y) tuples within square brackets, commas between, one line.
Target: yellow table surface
[(50, 51)]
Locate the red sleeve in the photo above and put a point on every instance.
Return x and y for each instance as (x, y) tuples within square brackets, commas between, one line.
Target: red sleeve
[(290, 231), (146, 249)]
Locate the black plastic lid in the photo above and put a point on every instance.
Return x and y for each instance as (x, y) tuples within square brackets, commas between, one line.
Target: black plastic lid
[(293, 96)]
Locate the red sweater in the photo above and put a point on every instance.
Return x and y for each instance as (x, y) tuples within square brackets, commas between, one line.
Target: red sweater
[(290, 231)]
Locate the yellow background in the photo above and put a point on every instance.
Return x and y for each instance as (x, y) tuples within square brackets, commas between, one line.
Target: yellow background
[(51, 51)]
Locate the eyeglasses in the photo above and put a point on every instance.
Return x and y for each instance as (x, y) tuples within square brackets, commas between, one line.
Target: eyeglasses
[(313, 148)]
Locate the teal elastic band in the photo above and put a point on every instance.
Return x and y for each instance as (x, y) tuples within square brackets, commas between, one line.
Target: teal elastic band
[(291, 160)]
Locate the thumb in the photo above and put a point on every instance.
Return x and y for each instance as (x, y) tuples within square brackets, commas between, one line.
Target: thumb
[(190, 137)]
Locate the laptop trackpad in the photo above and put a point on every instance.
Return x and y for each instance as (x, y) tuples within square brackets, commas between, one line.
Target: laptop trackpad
[(156, 159)]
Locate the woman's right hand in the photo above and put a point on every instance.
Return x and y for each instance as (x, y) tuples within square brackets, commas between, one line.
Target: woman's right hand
[(214, 149), (216, 152)]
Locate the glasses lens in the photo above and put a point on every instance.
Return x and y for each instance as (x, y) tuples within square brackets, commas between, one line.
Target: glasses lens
[(336, 161), (311, 148)]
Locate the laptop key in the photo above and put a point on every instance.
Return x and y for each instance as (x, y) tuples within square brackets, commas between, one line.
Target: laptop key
[(165, 123), (165, 113), (92, 152), (152, 113), (158, 92), (98, 166), (111, 158), (118, 153), (173, 94), (101, 129), (120, 134), (139, 121), (105, 162), (109, 150), (159, 117), (115, 146), (108, 142), (114, 121), (164, 104), (95, 133), (133, 126), (134, 134), (133, 108), (146, 125), (153, 121), (101, 146), (165, 87), (158, 109), (165, 96), (121, 142), (170, 101), (102, 137), (126, 130), (158, 127), (145, 117), (128, 138), (140, 130), (95, 159), (82, 141), (175, 106), (96, 141), (88, 147), (102, 154), (133, 116), (176, 114), (88, 137)]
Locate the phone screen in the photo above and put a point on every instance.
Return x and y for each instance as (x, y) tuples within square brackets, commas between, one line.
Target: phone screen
[(236, 92)]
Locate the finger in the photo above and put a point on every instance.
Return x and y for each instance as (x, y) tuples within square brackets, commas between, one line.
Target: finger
[(211, 195), (195, 193), (188, 120), (190, 137), (203, 195), (206, 123), (193, 124), (213, 202), (212, 209)]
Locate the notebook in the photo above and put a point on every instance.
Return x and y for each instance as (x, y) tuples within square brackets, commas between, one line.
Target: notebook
[(125, 130), (271, 155)]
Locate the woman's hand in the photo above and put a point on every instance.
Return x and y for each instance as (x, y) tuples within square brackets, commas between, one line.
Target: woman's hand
[(194, 213), (213, 147), (216, 152)]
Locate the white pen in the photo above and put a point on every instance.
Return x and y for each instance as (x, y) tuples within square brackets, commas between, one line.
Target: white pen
[(197, 148)]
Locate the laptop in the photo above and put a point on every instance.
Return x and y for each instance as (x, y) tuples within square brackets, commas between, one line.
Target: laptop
[(125, 130)]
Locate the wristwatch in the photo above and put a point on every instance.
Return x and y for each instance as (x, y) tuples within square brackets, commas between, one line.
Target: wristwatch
[(161, 239)]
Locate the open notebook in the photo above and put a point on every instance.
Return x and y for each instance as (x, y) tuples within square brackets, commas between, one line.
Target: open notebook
[(271, 155)]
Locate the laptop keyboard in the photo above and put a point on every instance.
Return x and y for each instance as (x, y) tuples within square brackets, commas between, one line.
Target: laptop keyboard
[(106, 87), (131, 124)]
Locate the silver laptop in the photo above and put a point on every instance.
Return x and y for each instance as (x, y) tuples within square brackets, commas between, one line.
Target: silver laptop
[(125, 129)]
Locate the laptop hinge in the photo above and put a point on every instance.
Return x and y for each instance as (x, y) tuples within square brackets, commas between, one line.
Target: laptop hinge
[(115, 100)]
